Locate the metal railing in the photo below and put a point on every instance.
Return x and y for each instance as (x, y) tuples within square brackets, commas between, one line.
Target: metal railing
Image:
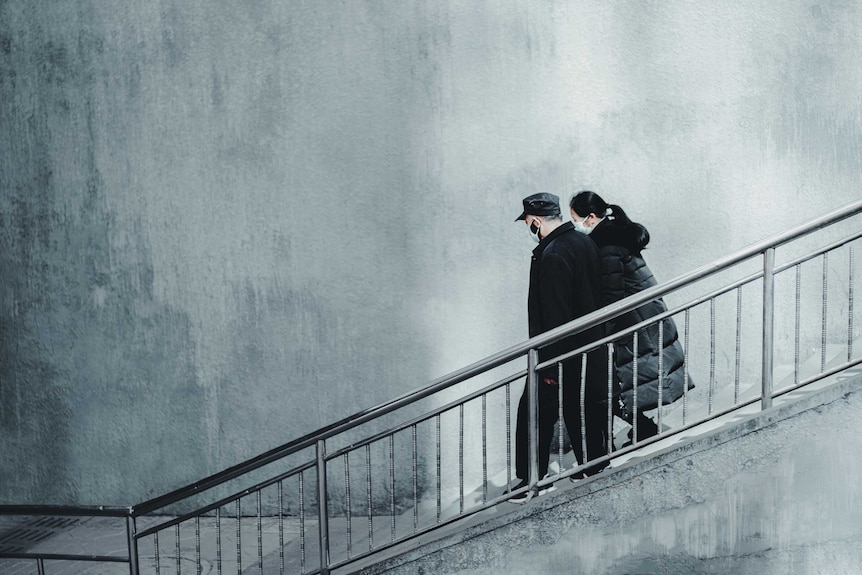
[(432, 457), (28, 526)]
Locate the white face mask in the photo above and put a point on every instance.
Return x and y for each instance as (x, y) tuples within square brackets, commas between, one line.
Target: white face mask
[(581, 227)]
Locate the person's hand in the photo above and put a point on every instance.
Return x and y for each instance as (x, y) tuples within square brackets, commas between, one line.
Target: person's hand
[(550, 381)]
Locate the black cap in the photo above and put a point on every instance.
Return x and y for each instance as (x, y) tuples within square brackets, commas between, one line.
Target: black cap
[(541, 204)]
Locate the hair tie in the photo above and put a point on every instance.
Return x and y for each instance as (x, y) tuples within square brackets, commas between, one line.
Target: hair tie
[(608, 213)]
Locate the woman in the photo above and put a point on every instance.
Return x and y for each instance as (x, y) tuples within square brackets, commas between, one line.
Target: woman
[(624, 272)]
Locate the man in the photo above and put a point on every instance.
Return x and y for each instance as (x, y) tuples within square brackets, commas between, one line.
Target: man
[(565, 283)]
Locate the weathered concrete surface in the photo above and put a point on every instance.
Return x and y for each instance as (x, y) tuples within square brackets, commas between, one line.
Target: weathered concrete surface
[(777, 494), (225, 224)]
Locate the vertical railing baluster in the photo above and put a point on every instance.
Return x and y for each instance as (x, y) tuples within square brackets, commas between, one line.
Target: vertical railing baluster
[(611, 373), (259, 534), (415, 479), (823, 300), (348, 512), (156, 551), (238, 538), (634, 421), (560, 416), (484, 448), (850, 308), (685, 365), (711, 393), (218, 541), (368, 496), (322, 506), (797, 350), (660, 372), (281, 527), (738, 366), (179, 552), (392, 483), (40, 566), (533, 404), (439, 471), (583, 397), (768, 326), (198, 561), (302, 521), (508, 435), (132, 543), (461, 457)]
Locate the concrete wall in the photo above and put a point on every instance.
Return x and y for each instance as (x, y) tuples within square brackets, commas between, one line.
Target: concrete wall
[(772, 495), (224, 224)]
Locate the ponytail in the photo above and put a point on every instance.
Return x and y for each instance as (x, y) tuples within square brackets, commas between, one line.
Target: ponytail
[(587, 202), (641, 235)]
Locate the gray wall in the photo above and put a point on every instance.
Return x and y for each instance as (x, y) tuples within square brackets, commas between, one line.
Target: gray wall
[(224, 224)]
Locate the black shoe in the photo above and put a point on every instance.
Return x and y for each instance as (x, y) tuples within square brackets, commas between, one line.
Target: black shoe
[(526, 495), (518, 497), (590, 471), (646, 428)]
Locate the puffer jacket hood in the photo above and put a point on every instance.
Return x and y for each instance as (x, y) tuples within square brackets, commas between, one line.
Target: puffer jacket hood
[(633, 237)]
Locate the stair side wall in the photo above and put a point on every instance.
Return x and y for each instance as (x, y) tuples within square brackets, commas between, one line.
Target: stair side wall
[(778, 494)]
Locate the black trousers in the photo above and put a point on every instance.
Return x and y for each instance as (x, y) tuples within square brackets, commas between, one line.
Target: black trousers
[(595, 415)]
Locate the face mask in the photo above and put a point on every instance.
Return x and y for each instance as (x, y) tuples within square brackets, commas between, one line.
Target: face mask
[(534, 232), (581, 227)]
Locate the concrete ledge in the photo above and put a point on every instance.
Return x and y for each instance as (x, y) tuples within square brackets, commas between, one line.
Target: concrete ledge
[(776, 486)]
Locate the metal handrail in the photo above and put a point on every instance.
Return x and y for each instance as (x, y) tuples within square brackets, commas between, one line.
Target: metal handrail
[(66, 557), (575, 326), (66, 510), (225, 500)]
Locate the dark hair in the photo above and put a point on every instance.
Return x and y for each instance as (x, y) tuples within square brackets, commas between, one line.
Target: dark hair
[(587, 202)]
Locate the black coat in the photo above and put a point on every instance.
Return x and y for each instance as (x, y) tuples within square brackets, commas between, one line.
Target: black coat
[(565, 284), (624, 272)]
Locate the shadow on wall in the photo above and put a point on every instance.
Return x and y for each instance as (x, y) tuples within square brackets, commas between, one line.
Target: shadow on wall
[(93, 369)]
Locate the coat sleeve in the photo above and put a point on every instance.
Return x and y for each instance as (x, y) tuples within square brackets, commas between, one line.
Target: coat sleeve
[(555, 287)]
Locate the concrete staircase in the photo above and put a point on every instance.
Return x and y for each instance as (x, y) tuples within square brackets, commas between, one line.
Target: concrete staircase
[(754, 492), (680, 459)]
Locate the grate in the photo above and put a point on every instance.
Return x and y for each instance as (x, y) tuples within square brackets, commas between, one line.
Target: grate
[(20, 539)]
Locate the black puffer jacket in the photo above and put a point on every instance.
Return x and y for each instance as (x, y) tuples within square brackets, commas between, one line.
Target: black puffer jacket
[(624, 273)]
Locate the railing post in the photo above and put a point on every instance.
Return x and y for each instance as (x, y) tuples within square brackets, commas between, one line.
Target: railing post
[(611, 375), (131, 530), (533, 402), (323, 513), (768, 326)]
